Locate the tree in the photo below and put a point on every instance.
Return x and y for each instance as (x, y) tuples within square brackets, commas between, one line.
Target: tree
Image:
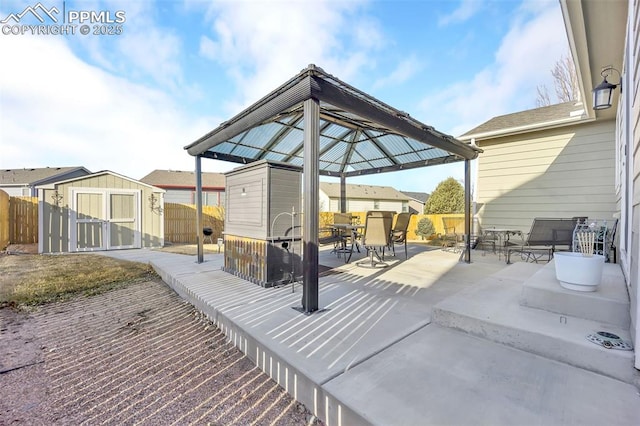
[(565, 82), (448, 197)]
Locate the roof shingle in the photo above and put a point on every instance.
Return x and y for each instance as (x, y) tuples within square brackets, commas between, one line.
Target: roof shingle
[(33, 176), (369, 192), (183, 179), (569, 111)]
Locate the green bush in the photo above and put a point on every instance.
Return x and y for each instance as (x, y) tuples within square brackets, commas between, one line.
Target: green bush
[(425, 228)]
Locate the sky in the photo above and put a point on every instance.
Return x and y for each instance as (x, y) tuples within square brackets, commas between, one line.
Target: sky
[(151, 77)]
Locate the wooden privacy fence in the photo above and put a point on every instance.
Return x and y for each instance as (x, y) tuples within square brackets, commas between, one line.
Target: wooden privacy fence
[(18, 220), (326, 218), (180, 222), (4, 220)]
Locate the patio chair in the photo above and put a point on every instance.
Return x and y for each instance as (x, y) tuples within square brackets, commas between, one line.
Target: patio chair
[(328, 235), (483, 240), (376, 237), (340, 235), (399, 232), (546, 236), (453, 232)]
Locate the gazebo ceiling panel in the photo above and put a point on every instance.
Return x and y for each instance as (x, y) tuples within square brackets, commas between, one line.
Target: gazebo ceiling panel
[(336, 153), (358, 134), (274, 156), (258, 135), (289, 142), (246, 151), (333, 130)]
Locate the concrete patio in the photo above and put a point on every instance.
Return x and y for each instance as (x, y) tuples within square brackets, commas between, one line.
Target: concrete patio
[(428, 340)]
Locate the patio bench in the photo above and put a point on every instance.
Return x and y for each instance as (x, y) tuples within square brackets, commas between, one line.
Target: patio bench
[(546, 236)]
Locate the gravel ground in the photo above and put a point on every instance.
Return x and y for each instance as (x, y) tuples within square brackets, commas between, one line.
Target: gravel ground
[(134, 355)]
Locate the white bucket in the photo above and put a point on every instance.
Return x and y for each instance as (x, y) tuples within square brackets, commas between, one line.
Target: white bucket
[(578, 272)]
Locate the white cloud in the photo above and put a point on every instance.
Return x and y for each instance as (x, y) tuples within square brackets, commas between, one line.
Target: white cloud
[(262, 44), (76, 114), (153, 52), (144, 51), (526, 55), (405, 69), (464, 12)]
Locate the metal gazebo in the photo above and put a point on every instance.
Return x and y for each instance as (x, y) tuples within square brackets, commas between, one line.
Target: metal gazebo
[(329, 128)]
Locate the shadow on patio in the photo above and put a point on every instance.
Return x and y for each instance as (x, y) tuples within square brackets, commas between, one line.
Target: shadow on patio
[(368, 316)]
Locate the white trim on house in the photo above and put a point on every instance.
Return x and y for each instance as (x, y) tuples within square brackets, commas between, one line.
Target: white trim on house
[(531, 127)]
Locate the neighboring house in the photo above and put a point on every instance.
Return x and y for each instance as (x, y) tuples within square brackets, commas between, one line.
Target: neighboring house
[(570, 159), (99, 211), (361, 198), (23, 182), (417, 200), (180, 186)]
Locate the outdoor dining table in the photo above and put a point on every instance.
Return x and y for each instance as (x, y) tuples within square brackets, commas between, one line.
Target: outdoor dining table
[(344, 247), (502, 236)]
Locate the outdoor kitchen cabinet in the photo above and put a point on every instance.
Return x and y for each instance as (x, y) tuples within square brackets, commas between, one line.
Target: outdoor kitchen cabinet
[(262, 238)]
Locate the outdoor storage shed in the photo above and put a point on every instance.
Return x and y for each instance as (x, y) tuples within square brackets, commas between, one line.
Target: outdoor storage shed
[(262, 241), (100, 211)]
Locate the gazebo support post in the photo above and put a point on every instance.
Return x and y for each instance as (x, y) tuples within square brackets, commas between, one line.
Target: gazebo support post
[(199, 209), (311, 185), (467, 210), (343, 193)]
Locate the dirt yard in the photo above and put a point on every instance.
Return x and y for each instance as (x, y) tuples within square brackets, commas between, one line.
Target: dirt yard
[(132, 355)]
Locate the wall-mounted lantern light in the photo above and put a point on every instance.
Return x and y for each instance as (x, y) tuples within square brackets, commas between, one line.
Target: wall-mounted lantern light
[(603, 92)]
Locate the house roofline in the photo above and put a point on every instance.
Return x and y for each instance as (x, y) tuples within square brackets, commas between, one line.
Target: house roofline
[(554, 124)]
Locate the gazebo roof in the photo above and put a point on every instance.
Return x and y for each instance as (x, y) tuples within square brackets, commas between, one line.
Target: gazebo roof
[(359, 135)]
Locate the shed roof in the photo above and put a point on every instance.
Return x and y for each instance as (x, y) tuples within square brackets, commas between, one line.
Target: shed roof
[(52, 185), (368, 192), (183, 179), (537, 118), (358, 134), (34, 176)]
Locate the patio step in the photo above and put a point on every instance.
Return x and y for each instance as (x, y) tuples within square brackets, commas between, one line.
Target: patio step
[(492, 310), (609, 304)]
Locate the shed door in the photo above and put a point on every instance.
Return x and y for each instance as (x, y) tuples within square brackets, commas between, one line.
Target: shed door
[(122, 221), (89, 221), (105, 220)]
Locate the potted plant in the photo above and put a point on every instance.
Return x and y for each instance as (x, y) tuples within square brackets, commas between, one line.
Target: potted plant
[(580, 270)]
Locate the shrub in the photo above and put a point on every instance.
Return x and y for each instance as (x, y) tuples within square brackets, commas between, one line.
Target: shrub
[(425, 228)]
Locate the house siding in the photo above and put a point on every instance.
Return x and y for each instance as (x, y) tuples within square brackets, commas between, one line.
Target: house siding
[(363, 205), (629, 115), (561, 172), (416, 207), (17, 191), (188, 196)]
